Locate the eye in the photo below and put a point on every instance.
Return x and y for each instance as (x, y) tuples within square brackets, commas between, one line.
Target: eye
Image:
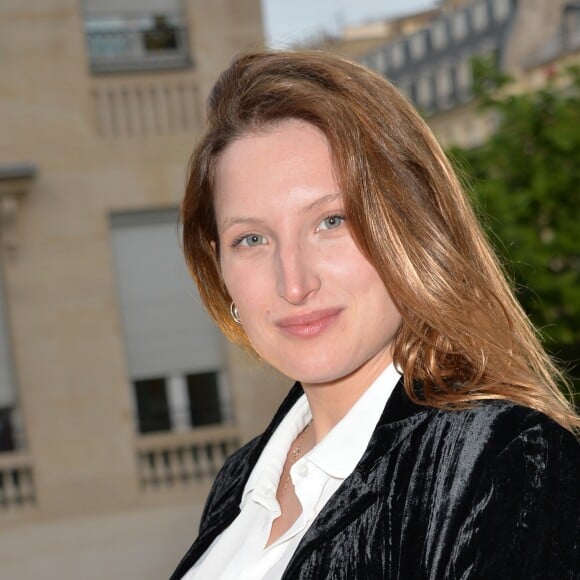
[(249, 240), (331, 222)]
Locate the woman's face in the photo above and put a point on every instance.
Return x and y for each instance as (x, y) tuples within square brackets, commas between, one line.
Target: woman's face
[(311, 304)]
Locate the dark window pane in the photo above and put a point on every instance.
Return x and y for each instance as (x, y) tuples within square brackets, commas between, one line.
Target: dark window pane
[(413, 93), (162, 36), (453, 78), (152, 406), (204, 401), (6, 430)]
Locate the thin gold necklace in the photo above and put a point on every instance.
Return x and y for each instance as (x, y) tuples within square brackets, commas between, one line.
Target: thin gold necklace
[(293, 456)]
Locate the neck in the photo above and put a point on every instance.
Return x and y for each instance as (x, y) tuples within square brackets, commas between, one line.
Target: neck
[(329, 402)]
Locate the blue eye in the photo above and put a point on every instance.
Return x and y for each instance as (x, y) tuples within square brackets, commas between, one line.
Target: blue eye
[(331, 222), (250, 240)]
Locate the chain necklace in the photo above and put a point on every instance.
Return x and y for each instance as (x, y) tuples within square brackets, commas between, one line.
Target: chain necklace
[(293, 456)]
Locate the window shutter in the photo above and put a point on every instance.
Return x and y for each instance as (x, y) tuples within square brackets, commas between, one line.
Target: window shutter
[(167, 330)]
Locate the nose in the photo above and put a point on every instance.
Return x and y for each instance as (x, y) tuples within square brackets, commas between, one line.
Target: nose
[(297, 274)]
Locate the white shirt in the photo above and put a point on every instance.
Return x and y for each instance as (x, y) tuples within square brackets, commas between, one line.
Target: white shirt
[(238, 553)]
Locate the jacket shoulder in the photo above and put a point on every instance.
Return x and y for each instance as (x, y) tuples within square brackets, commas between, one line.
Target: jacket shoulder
[(499, 441), (504, 422)]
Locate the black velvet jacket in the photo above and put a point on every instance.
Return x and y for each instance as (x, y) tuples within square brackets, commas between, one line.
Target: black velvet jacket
[(492, 492)]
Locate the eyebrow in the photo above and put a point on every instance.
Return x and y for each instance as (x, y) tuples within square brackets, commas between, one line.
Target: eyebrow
[(229, 222), (240, 220), (322, 200)]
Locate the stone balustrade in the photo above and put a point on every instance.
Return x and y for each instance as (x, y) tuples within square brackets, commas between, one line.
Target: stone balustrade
[(167, 460), (17, 490), (136, 109)]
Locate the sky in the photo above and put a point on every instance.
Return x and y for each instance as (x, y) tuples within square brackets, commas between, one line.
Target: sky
[(288, 22)]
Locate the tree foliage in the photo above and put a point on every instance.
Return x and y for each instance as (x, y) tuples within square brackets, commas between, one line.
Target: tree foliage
[(526, 183)]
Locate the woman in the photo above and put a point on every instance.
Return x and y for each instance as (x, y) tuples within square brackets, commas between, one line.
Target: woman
[(425, 436)]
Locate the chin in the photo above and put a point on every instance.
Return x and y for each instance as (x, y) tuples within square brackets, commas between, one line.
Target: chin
[(317, 372), (310, 363)]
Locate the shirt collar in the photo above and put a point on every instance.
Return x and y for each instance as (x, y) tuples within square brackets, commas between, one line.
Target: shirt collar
[(266, 473), (341, 449)]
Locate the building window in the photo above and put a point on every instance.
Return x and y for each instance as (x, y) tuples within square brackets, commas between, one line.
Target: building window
[(480, 16), (417, 43), (460, 25), (412, 92), (428, 35), (204, 399), (174, 350), (7, 430), (398, 55), (10, 430), (439, 34), (464, 79), (443, 82), (152, 405), (453, 81), (501, 9), (425, 92), (381, 62), (161, 35), (179, 402), (136, 39)]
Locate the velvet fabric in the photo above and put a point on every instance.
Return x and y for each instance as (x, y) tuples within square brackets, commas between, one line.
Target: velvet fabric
[(489, 492)]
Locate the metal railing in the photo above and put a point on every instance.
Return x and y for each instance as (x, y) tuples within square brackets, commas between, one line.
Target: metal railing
[(146, 44)]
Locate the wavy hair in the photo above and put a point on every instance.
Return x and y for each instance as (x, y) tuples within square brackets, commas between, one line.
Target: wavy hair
[(463, 336)]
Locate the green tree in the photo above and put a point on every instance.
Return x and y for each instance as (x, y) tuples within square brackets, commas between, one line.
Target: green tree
[(526, 183)]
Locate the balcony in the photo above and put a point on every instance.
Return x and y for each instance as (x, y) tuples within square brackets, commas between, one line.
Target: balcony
[(130, 43), (167, 461), (17, 490)]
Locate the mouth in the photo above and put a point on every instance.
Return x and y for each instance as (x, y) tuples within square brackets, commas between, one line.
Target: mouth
[(309, 324)]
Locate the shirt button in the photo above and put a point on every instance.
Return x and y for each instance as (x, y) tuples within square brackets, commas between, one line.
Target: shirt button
[(303, 470)]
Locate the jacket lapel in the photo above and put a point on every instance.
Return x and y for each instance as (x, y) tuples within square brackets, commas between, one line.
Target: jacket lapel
[(223, 505), (359, 491)]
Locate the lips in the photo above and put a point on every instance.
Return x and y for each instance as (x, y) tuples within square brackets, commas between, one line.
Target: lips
[(309, 324)]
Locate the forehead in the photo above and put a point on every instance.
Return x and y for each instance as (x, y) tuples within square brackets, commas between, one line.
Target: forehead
[(287, 160), (287, 137)]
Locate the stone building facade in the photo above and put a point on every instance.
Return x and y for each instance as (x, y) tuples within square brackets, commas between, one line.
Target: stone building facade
[(433, 64), (118, 397)]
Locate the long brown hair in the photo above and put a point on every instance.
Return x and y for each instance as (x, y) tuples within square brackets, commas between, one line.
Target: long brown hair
[(463, 336)]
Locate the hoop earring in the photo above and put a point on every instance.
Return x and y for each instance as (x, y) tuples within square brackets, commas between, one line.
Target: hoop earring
[(235, 314)]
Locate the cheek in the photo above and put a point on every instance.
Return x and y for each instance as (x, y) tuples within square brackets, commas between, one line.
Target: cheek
[(231, 279), (247, 287), (364, 282), (352, 270)]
